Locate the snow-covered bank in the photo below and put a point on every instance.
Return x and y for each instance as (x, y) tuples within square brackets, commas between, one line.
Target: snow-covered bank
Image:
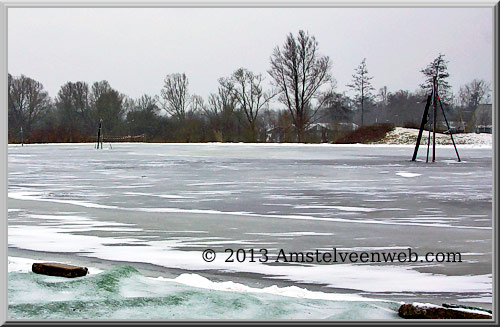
[(125, 293), (23, 265), (402, 136), (398, 136)]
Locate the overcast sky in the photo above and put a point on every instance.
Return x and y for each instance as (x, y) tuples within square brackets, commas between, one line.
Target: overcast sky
[(135, 48)]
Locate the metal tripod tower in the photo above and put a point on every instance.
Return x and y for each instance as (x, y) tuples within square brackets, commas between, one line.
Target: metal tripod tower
[(434, 98)]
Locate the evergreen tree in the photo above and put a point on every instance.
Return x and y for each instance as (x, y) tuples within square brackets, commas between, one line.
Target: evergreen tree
[(438, 68), (362, 86)]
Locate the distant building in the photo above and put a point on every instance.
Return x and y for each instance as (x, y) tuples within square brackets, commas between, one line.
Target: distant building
[(315, 132), (319, 131), (327, 132), (274, 134), (280, 134), (482, 119)]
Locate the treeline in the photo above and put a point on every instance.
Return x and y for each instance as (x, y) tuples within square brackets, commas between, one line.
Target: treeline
[(303, 105)]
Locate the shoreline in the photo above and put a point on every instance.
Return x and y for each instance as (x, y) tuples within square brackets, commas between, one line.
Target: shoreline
[(468, 146), (255, 281)]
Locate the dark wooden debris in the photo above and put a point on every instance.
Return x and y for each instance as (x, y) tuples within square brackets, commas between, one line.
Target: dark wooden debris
[(417, 311), (58, 269)]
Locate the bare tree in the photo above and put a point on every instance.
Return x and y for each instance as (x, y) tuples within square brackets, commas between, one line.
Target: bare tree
[(129, 104), (220, 109), (383, 96), (27, 101), (298, 72), (362, 86), (97, 89), (474, 93), (108, 105), (338, 108), (249, 95), (143, 117), (74, 108), (146, 103), (175, 95), (67, 113), (221, 101), (470, 96), (197, 104), (81, 98)]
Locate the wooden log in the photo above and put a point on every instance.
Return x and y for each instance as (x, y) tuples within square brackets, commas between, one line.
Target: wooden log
[(430, 311), (58, 269)]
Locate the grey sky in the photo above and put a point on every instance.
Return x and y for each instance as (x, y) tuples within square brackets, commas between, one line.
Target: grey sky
[(135, 48)]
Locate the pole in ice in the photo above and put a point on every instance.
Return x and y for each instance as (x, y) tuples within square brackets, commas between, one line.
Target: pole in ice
[(99, 134)]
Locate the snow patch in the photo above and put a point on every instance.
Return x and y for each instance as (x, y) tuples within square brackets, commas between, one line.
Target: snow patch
[(408, 136), (196, 280), (406, 174)]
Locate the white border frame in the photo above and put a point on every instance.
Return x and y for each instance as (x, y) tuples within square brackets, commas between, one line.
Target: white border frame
[(5, 5)]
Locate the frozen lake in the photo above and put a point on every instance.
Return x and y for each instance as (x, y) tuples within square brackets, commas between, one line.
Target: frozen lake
[(156, 207)]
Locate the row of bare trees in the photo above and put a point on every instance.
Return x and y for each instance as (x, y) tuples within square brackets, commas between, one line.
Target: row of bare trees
[(72, 116), (241, 109), (242, 91)]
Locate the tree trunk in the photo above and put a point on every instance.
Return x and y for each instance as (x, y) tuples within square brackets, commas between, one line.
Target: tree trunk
[(300, 133), (362, 110), (253, 131)]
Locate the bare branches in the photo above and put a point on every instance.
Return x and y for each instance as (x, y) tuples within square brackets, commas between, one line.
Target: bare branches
[(220, 109), (250, 96), (74, 102), (27, 101), (147, 103), (474, 93), (221, 103), (175, 95), (197, 103), (299, 72)]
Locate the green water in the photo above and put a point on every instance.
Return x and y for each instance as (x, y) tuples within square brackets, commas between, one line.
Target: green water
[(124, 293)]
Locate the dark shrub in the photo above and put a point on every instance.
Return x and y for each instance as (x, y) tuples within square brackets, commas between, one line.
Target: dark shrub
[(366, 134)]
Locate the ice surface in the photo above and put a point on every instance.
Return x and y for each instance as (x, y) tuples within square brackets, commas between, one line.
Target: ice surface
[(163, 204)]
